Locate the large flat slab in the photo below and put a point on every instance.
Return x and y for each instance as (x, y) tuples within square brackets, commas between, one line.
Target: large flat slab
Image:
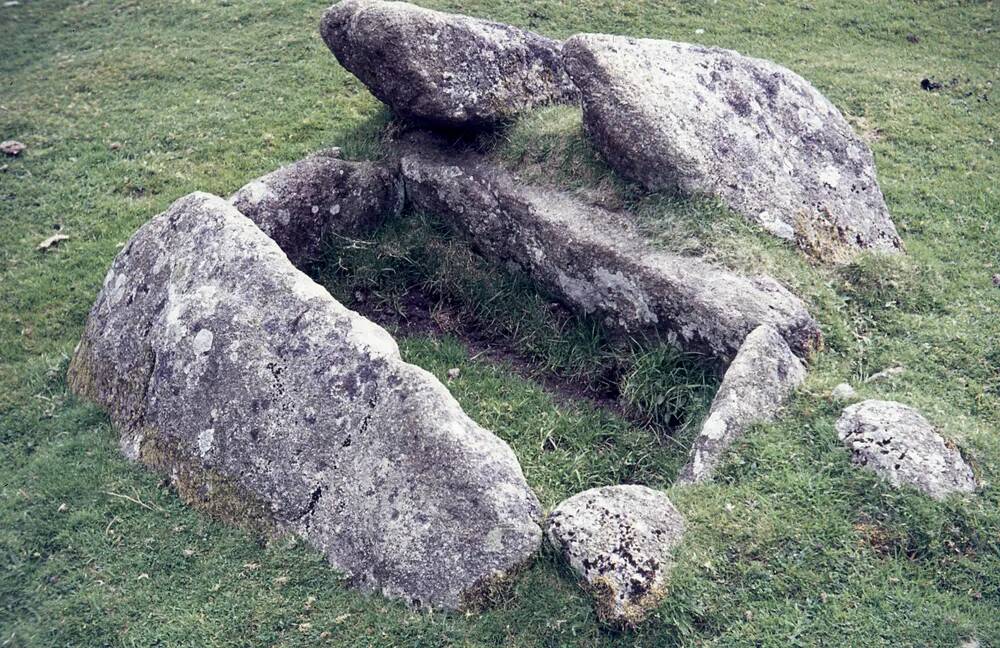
[(594, 261)]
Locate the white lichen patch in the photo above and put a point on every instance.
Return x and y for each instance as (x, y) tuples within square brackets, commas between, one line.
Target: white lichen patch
[(256, 191), (205, 441), (202, 342)]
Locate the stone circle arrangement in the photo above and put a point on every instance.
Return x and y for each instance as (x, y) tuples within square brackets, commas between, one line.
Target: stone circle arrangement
[(229, 370)]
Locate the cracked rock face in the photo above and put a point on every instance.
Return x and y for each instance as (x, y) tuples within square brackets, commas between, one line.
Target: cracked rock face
[(897, 443), (763, 375), (445, 69), (302, 204), (619, 539), (699, 120), (593, 260), (234, 373)]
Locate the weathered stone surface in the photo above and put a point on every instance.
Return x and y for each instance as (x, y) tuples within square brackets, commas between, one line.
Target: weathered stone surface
[(302, 204), (897, 443), (228, 369), (619, 539), (763, 375), (843, 392), (444, 69), (703, 120), (593, 260), (12, 147)]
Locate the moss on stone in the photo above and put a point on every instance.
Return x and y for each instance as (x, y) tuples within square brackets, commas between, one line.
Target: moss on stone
[(492, 591), (220, 496), (629, 612)]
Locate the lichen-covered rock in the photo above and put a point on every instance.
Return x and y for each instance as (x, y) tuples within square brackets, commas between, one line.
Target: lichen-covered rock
[(228, 369), (762, 376), (444, 69), (843, 393), (897, 443), (702, 120), (303, 204), (619, 539), (593, 260)]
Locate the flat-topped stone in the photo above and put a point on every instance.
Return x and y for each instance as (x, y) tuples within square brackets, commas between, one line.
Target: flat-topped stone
[(229, 370), (619, 540), (445, 69), (898, 444), (593, 259), (700, 120)]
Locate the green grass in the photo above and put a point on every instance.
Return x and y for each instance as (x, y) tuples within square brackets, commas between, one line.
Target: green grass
[(790, 546)]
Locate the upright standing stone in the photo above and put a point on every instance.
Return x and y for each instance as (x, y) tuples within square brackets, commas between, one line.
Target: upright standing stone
[(257, 393), (444, 69), (763, 375), (702, 120)]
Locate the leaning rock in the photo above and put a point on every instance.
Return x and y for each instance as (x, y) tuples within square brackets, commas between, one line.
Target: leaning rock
[(619, 539), (301, 205), (593, 260), (710, 121), (757, 383), (231, 371), (898, 444), (444, 69)]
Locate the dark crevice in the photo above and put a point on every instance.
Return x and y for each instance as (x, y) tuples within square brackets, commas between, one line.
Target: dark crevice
[(311, 508)]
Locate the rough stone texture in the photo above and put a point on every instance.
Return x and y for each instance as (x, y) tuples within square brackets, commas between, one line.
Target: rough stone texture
[(619, 540), (12, 147), (897, 443), (444, 69), (228, 369), (703, 120), (843, 392), (593, 261), (760, 379), (301, 205)]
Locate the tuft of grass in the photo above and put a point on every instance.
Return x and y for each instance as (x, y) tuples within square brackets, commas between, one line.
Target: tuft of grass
[(881, 282), (418, 260)]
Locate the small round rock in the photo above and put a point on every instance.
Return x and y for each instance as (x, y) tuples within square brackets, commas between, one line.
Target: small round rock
[(12, 147), (619, 539), (843, 392)]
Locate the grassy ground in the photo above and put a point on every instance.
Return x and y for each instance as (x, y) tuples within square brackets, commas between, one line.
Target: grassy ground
[(127, 106)]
